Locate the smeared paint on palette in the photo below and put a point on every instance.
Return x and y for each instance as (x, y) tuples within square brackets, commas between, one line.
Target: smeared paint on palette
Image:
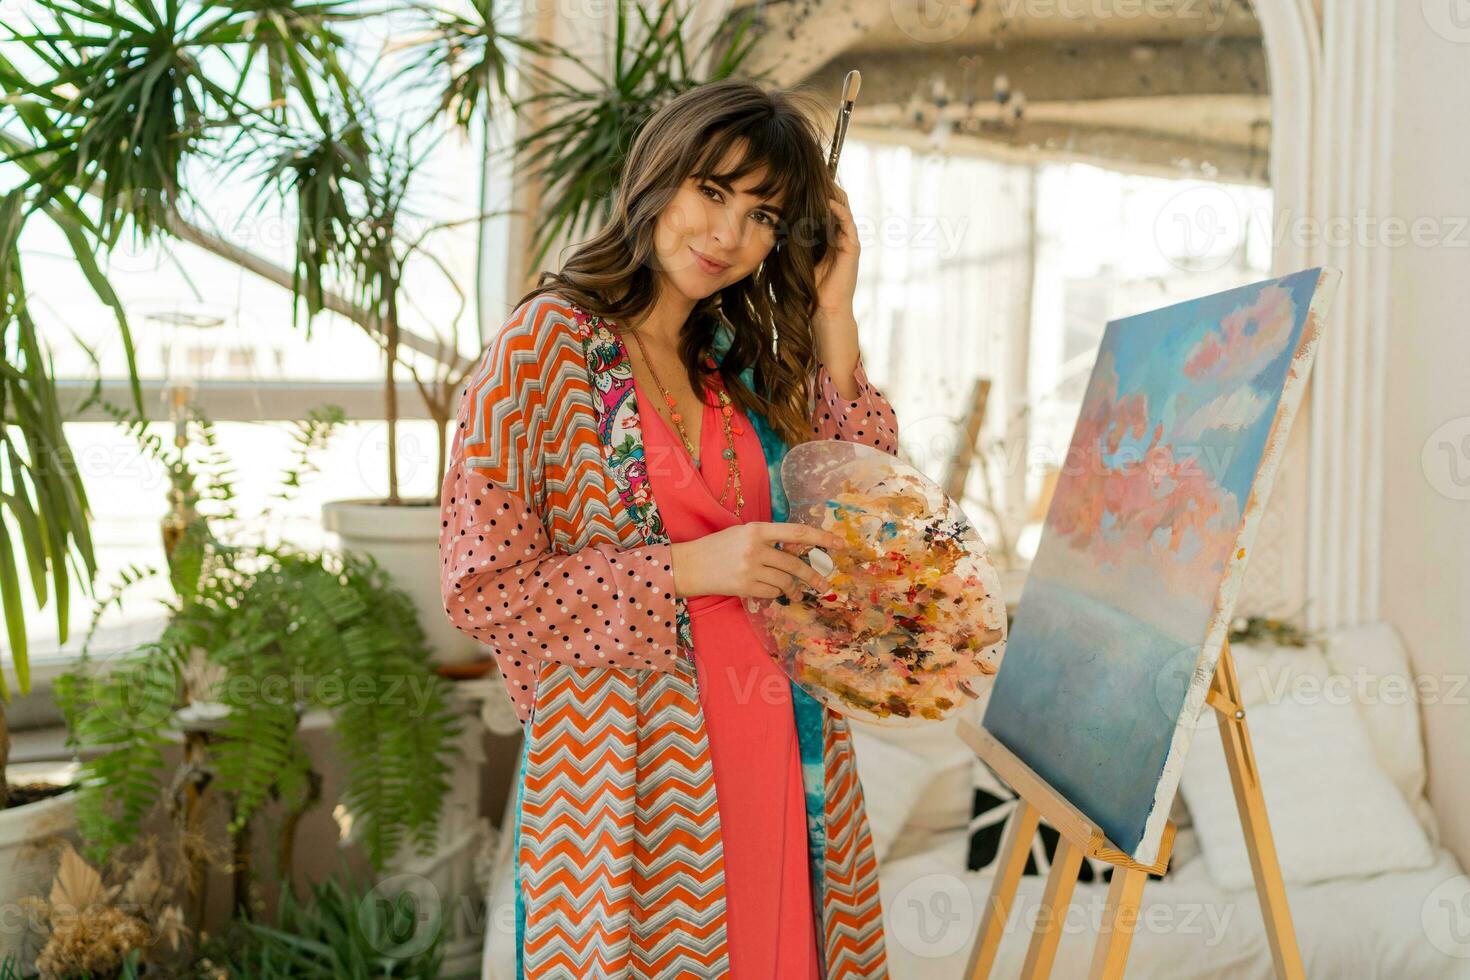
[(914, 621), (1127, 603)]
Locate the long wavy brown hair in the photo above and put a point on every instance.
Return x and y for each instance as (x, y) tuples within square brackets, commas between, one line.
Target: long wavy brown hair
[(613, 275)]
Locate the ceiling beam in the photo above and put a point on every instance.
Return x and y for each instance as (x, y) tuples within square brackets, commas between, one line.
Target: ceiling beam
[(1048, 72), (1147, 154), (798, 38)]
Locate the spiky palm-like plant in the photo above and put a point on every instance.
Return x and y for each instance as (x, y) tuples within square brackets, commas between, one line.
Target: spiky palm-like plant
[(118, 119), (578, 150)]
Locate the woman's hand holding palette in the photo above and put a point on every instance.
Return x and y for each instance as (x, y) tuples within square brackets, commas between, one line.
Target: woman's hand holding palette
[(914, 621)]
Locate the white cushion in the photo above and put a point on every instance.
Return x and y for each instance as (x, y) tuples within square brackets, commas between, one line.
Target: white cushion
[(1271, 674), (1374, 671), (946, 800), (1332, 810), (892, 779)]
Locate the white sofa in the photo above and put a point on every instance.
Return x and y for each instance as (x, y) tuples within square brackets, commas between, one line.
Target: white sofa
[(1409, 922), (1356, 928)]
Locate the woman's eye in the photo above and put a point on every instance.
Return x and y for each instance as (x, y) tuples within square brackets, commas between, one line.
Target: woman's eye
[(713, 194)]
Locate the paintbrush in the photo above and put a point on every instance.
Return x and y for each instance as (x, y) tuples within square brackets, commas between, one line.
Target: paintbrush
[(850, 86)]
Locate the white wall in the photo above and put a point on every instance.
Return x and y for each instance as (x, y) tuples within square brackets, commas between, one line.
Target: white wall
[(1426, 546)]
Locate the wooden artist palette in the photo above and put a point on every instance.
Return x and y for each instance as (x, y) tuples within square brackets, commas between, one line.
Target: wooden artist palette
[(914, 625)]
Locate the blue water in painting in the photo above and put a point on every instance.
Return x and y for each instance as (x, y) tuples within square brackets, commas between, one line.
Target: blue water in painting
[(1088, 698)]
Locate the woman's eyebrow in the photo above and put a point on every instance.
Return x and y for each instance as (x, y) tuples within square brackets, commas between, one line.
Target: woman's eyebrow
[(730, 189)]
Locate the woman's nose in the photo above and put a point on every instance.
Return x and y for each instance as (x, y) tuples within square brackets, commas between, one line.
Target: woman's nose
[(723, 229)]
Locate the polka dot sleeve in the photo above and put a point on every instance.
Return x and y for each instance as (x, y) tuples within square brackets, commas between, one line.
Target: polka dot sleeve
[(501, 578), (505, 586), (868, 418)]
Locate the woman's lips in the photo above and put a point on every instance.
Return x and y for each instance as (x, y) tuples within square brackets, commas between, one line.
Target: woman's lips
[(709, 265)]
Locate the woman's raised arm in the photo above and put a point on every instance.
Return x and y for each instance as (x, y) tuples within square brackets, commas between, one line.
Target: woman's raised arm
[(868, 419)]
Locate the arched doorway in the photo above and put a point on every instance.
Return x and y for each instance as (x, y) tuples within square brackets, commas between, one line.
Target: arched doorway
[(1319, 544)]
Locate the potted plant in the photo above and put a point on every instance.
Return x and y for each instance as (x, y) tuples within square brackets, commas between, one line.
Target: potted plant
[(576, 151), (44, 531), (260, 633), (120, 119), (84, 81)]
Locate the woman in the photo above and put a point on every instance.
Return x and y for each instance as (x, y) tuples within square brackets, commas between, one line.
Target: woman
[(683, 808)]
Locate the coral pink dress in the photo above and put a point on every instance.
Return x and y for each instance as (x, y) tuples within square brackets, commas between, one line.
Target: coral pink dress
[(770, 927)]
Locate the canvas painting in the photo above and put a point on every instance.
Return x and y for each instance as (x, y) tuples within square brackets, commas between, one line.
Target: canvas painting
[(1127, 604)]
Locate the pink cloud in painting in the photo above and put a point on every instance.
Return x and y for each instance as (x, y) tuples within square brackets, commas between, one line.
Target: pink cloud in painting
[(1248, 339), (1156, 506)]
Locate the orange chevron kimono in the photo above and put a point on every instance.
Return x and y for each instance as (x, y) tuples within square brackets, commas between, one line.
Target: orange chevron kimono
[(618, 849)]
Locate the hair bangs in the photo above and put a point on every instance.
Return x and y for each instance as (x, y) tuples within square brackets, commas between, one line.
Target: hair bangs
[(727, 132), (762, 143)]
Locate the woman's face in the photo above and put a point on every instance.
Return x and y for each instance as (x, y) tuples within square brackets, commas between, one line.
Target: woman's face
[(711, 234)]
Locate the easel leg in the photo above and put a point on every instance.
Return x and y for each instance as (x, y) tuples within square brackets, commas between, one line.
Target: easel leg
[(1129, 877), (1065, 864), (1245, 778), (1120, 917), (1015, 848)]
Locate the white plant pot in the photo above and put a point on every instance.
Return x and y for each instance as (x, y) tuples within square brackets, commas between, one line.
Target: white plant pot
[(27, 865), (404, 539)]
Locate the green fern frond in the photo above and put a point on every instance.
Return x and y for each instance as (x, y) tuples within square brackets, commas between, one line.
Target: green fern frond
[(291, 630), (310, 435), (257, 747), (126, 580), (126, 711)]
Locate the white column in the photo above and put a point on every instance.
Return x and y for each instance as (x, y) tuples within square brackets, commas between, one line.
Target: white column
[(1331, 91), (1352, 170)]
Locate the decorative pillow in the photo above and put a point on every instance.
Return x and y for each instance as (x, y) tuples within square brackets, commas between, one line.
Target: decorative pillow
[(1373, 668), (934, 788), (1332, 810), (892, 779), (1268, 673)]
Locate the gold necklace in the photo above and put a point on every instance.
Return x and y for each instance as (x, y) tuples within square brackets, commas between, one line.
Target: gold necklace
[(727, 410)]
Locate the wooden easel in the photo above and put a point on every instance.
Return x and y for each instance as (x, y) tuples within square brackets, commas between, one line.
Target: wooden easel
[(1080, 837), (958, 470)]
